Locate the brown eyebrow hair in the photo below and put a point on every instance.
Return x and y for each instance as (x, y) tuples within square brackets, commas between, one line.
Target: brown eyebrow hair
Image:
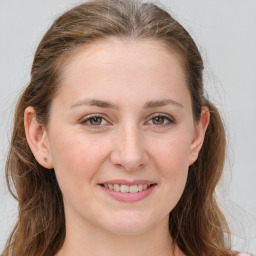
[(107, 104)]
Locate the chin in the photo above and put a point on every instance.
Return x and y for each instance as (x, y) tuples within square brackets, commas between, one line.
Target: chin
[(129, 224), (128, 229)]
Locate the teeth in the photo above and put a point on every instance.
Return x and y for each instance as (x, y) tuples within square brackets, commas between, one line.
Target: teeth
[(134, 189), (116, 187), (126, 188)]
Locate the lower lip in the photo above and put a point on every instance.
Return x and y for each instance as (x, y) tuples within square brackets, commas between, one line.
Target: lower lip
[(129, 197)]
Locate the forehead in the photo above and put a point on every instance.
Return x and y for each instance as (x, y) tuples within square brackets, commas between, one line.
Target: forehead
[(117, 45), (107, 66), (141, 54)]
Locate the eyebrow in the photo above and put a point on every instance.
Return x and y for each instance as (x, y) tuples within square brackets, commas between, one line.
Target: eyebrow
[(161, 103), (107, 104)]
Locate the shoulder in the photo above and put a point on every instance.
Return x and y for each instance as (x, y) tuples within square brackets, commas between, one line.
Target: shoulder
[(244, 254)]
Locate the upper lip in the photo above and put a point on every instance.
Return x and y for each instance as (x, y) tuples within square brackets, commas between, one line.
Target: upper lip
[(129, 183)]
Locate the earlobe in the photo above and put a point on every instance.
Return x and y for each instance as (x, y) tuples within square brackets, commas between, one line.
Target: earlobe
[(37, 139), (199, 134)]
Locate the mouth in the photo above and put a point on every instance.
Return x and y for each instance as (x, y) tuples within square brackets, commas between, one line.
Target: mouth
[(123, 188)]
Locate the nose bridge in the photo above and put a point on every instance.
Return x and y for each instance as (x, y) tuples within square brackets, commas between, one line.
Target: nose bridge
[(129, 150)]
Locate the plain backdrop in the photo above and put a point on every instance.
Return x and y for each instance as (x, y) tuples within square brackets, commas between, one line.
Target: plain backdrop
[(225, 32)]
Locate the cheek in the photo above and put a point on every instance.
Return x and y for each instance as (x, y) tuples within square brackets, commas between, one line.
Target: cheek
[(172, 153), (171, 159), (77, 159)]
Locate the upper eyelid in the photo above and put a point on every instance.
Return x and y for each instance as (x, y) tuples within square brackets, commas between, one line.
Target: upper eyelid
[(161, 114), (87, 117)]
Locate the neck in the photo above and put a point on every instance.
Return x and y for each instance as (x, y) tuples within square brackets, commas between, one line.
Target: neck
[(93, 241)]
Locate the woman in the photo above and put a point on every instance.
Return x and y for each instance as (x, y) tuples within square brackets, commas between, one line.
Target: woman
[(115, 148)]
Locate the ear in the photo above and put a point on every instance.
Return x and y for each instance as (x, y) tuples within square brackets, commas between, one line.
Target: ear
[(37, 139), (199, 134)]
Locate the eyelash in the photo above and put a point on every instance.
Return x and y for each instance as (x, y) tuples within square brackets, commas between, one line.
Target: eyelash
[(90, 117), (170, 120)]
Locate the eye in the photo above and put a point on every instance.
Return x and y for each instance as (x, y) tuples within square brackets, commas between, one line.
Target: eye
[(158, 120), (161, 120), (95, 121)]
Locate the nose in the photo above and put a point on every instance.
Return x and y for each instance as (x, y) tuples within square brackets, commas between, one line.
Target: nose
[(128, 149)]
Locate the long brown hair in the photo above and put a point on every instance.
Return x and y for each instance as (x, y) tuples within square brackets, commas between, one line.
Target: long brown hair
[(196, 223)]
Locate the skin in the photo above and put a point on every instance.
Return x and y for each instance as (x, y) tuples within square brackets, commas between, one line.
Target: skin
[(127, 143)]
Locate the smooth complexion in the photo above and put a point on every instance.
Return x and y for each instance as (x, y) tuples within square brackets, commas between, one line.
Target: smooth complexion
[(124, 115)]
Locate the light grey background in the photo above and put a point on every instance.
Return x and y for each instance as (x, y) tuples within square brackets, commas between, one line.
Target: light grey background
[(226, 34)]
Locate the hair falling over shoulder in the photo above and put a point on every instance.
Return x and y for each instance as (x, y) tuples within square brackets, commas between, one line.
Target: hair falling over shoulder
[(196, 224)]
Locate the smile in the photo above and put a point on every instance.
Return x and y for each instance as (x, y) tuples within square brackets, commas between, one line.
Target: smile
[(126, 188), (128, 193)]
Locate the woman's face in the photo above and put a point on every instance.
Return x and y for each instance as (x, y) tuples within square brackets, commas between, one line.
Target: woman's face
[(122, 119)]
